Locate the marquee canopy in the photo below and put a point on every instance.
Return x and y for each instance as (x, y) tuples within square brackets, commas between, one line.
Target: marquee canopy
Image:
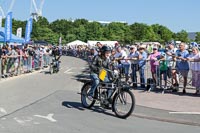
[(13, 39), (108, 43), (76, 43)]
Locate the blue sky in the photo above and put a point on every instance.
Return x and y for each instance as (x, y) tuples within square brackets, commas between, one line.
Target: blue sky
[(175, 14)]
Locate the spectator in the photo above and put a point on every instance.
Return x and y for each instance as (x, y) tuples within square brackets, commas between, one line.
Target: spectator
[(142, 64), (163, 69), (0, 52), (153, 57), (124, 64), (175, 84), (182, 64), (195, 67), (134, 56), (116, 45), (172, 73), (3, 60), (99, 46)]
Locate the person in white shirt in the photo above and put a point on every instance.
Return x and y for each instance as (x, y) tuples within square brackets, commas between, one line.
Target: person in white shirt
[(133, 56), (121, 56), (172, 73), (195, 67)]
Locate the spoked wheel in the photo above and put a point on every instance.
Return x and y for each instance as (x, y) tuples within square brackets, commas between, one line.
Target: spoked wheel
[(86, 102), (123, 104)]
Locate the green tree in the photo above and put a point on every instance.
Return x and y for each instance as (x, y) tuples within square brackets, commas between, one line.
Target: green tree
[(142, 32), (70, 38), (182, 36), (163, 34), (197, 38), (94, 31)]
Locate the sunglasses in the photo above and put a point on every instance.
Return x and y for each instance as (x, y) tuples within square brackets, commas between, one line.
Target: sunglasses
[(154, 49)]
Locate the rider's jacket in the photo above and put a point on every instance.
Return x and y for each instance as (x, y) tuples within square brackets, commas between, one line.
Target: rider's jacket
[(99, 63), (56, 54)]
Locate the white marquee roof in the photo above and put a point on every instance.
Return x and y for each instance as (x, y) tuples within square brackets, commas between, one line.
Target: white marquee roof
[(76, 43), (108, 43)]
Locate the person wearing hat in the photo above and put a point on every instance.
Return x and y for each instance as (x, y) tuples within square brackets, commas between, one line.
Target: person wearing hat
[(134, 56), (153, 57), (124, 64), (172, 73), (142, 63)]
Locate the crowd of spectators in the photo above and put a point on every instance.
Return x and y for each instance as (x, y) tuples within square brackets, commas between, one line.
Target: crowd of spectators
[(165, 63), (17, 59)]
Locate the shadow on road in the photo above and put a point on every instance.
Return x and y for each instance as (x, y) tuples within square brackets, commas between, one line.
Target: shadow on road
[(166, 91), (76, 105)]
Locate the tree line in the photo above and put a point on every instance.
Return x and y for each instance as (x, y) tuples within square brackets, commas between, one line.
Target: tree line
[(84, 30)]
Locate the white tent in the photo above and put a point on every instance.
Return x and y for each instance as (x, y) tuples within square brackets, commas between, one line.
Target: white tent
[(108, 43), (77, 43)]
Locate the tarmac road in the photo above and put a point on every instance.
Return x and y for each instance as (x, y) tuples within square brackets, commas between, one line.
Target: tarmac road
[(44, 103)]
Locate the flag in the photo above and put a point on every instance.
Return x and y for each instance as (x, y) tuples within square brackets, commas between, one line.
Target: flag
[(1, 21), (29, 25), (8, 27), (19, 32)]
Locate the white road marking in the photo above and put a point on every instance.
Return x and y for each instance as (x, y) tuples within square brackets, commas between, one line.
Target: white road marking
[(68, 70), (2, 111), (187, 113), (23, 122), (48, 117)]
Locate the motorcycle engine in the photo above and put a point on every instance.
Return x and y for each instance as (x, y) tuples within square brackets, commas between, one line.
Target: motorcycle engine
[(104, 98)]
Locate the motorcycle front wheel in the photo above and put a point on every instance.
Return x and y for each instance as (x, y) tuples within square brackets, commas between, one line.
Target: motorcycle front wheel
[(123, 104)]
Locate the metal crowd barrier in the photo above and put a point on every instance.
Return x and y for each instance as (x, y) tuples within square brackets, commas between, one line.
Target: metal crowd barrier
[(0, 69), (151, 85), (24, 65)]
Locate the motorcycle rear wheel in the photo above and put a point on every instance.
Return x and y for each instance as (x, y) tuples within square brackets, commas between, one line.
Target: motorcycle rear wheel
[(86, 102)]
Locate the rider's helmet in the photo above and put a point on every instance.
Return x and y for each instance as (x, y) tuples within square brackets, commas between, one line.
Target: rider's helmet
[(105, 48)]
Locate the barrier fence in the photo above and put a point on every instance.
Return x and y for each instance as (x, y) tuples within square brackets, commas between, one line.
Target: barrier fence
[(149, 84), (159, 82), (13, 66), (10, 67)]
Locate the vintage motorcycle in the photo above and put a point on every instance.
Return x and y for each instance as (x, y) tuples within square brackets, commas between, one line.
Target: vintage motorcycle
[(122, 100)]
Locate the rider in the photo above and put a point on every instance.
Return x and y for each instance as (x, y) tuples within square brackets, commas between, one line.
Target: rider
[(56, 54), (99, 61)]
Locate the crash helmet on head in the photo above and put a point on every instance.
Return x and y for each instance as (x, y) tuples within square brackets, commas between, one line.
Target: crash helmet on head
[(105, 48)]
